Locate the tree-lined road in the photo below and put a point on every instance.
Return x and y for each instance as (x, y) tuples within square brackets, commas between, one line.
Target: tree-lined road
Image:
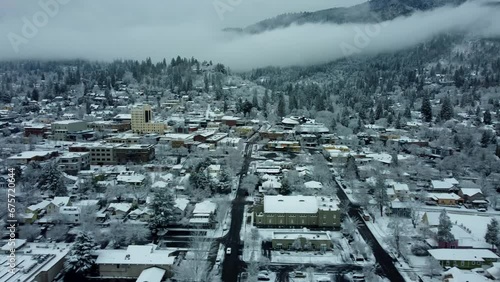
[(232, 264), (383, 258)]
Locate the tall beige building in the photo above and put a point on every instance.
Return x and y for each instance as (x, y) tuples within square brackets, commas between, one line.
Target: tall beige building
[(142, 121)]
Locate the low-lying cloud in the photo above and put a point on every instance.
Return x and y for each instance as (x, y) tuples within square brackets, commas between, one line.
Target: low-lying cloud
[(98, 31)]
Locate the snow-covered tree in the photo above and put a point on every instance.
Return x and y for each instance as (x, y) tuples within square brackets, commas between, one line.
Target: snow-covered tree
[(80, 259), (397, 227), (162, 206), (52, 179), (433, 267), (351, 170), (446, 109), (249, 183), (444, 229), (297, 244), (380, 194), (492, 232), (426, 109)]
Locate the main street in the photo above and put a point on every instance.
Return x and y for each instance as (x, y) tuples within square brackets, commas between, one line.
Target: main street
[(383, 258), (232, 264)]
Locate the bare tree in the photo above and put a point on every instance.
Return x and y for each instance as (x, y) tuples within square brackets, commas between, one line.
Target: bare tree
[(249, 183), (398, 228), (195, 267)]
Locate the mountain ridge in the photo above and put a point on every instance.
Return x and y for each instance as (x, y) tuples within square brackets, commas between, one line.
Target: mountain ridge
[(368, 12)]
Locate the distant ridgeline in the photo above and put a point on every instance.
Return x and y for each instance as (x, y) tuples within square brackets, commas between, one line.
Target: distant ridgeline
[(368, 12)]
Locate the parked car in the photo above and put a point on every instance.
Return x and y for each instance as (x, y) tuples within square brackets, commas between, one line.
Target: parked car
[(297, 274), (481, 209), (228, 251)]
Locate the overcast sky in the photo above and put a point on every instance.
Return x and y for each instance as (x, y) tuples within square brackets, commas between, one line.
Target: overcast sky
[(111, 29)]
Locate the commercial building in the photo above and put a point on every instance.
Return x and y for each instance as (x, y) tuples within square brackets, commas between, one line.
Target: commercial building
[(72, 163), (134, 154), (113, 154), (297, 212), (61, 129), (304, 240), (34, 261), (143, 123), (31, 156)]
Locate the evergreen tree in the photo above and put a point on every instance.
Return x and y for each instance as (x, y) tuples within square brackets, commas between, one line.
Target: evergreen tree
[(398, 122), (446, 109), (80, 259), (162, 207), (281, 106), (224, 181), (255, 101), (52, 179), (351, 168), (426, 109), (444, 234), (35, 95), (487, 117), (379, 111), (492, 232)]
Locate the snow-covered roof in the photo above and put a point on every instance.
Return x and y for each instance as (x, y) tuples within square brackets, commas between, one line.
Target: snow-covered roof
[(61, 201), (69, 121), (31, 154), (141, 255), (297, 204), (440, 184), (181, 203), (471, 191), (400, 186), (152, 274), (124, 207), (462, 254), (40, 206), (159, 184), (205, 207), (494, 271), (460, 275), (443, 196), (313, 185)]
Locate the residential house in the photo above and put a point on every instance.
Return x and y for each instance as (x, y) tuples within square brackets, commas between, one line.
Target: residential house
[(458, 275), (445, 199), (473, 196), (143, 214), (464, 258), (130, 263), (203, 214), (70, 214), (119, 210), (446, 185)]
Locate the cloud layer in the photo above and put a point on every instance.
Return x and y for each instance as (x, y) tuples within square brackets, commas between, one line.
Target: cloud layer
[(107, 30)]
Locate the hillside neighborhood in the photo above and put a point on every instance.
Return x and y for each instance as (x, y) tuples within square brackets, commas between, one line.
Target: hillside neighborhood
[(141, 185)]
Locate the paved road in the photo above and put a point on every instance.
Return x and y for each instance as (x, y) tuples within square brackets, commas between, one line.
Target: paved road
[(383, 258), (232, 265)]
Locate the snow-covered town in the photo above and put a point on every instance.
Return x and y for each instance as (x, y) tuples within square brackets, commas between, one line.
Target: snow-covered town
[(376, 167)]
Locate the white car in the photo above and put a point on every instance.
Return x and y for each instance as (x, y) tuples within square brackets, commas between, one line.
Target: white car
[(228, 251)]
